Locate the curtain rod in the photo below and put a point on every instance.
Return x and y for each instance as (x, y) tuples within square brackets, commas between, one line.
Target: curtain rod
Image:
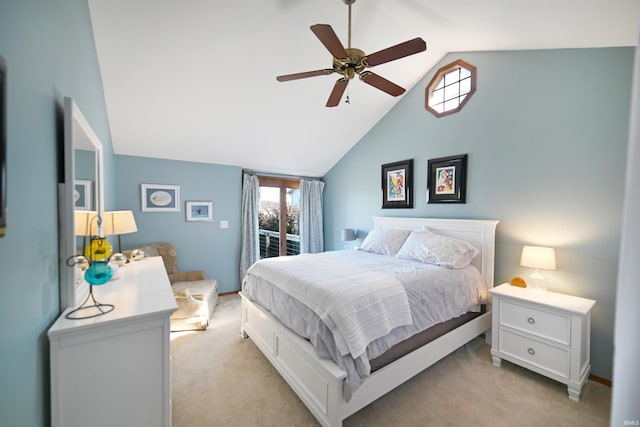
[(279, 175)]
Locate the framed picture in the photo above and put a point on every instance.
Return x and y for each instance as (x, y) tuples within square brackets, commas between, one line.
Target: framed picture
[(199, 211), (397, 183), (82, 194), (160, 198), (447, 179)]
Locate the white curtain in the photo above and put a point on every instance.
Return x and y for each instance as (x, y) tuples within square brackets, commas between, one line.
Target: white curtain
[(250, 245), (311, 232), (626, 375)]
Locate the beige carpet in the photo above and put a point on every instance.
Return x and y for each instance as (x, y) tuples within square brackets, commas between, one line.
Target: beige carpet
[(220, 379)]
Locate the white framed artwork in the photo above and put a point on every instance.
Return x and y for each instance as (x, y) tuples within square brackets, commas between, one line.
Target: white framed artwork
[(199, 211), (160, 198)]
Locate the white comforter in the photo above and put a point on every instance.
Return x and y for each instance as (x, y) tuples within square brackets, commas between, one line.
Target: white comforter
[(357, 305), (435, 294)]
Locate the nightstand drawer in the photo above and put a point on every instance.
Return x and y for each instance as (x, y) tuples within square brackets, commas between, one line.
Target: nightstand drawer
[(548, 357), (543, 323)]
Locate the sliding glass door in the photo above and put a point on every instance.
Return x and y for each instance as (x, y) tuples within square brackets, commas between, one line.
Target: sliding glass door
[(279, 217)]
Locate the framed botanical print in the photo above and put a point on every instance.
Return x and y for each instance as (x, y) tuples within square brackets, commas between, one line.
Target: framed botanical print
[(397, 184), (447, 179)]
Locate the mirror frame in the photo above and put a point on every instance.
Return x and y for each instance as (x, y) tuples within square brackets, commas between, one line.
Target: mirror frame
[(72, 294)]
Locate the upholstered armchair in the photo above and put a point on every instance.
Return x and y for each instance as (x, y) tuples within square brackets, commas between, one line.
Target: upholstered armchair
[(195, 295)]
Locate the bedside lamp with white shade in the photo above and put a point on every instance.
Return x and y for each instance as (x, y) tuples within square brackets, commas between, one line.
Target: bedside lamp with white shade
[(538, 257)]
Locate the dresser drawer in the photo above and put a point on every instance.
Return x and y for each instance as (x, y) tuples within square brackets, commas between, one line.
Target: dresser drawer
[(548, 357), (543, 323)]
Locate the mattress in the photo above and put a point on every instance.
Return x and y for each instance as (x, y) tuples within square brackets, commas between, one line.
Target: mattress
[(435, 295)]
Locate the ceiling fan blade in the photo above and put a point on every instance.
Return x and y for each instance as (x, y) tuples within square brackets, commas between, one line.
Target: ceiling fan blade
[(398, 51), (381, 83), (304, 75), (330, 40), (337, 92)]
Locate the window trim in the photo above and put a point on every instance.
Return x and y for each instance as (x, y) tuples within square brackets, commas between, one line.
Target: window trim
[(442, 71)]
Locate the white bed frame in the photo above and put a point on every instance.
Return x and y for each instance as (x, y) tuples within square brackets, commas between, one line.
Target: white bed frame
[(318, 382)]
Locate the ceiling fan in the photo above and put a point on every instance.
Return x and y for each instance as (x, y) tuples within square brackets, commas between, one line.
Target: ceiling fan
[(351, 61)]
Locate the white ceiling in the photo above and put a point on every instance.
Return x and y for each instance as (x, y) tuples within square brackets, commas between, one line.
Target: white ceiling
[(195, 79)]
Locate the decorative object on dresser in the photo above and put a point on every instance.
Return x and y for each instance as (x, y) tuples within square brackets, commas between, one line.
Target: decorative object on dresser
[(447, 179), (518, 281), (99, 272), (195, 295), (546, 332), (538, 257), (115, 370), (136, 254), (397, 184)]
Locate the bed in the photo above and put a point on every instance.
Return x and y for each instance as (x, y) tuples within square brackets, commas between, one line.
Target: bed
[(323, 385)]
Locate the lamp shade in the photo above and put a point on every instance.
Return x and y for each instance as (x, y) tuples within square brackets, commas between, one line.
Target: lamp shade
[(538, 257), (86, 223), (348, 234), (119, 222)]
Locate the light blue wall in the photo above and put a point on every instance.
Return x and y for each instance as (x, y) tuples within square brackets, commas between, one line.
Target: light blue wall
[(546, 133), (49, 50), (200, 245)]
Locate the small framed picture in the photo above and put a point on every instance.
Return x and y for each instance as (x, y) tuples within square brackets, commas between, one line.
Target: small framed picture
[(160, 198), (447, 179), (82, 194), (397, 183), (199, 211)]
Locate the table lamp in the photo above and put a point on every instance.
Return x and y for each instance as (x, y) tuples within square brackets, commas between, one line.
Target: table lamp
[(117, 223), (538, 257), (348, 235), (86, 224)]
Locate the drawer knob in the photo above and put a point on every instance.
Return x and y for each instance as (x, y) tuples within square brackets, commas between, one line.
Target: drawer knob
[(531, 351), (531, 320)]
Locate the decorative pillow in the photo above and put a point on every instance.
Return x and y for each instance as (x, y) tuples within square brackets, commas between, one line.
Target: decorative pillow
[(432, 248), (384, 242)]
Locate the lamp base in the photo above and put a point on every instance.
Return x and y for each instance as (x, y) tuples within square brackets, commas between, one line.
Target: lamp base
[(89, 307), (538, 281)]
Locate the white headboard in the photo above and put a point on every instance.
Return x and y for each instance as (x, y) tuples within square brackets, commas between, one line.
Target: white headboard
[(480, 233)]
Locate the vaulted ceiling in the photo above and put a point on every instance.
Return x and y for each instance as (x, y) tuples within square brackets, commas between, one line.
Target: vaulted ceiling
[(195, 80)]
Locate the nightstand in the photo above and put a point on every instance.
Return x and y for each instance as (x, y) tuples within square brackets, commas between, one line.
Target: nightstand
[(545, 332)]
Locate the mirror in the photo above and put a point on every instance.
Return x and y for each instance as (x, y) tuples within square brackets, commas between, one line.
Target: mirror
[(82, 190)]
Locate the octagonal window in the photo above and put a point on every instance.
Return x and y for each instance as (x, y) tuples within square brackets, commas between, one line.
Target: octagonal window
[(451, 88)]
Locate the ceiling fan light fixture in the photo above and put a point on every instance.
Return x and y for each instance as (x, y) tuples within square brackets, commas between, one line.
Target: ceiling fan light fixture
[(349, 61)]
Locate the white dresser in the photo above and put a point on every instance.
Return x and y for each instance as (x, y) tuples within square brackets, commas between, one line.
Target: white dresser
[(546, 332), (115, 369)]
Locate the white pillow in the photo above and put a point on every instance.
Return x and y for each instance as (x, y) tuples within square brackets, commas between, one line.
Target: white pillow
[(384, 242), (432, 248)]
